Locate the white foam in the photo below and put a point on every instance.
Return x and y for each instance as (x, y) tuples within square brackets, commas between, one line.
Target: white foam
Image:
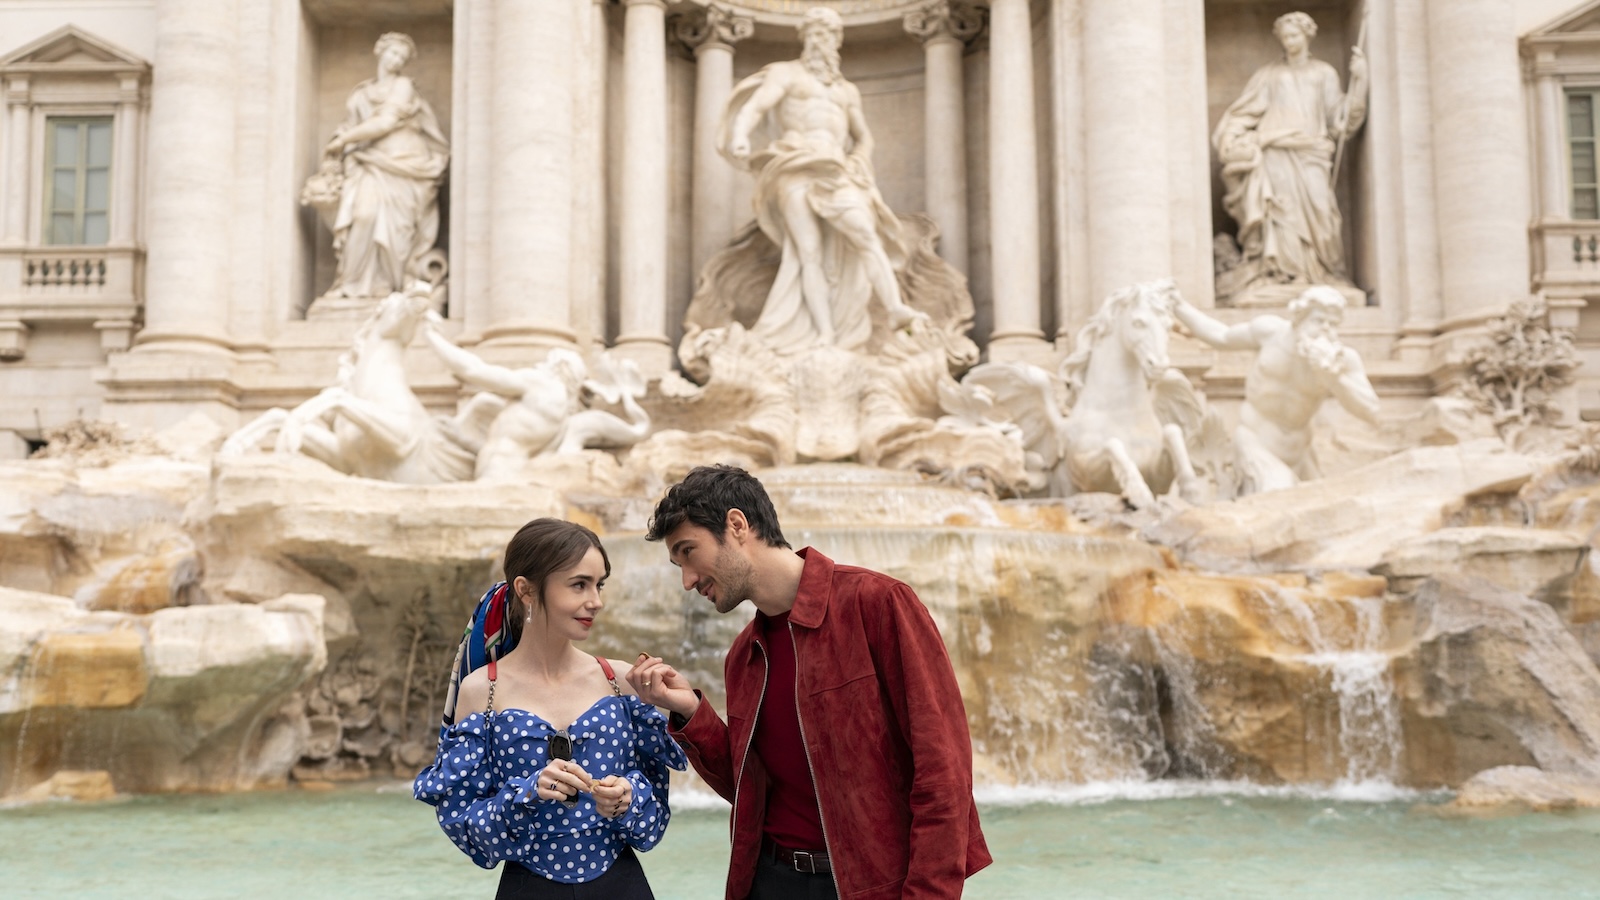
[(1108, 791)]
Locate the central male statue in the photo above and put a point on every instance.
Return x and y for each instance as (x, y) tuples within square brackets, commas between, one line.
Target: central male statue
[(815, 196), (1301, 364)]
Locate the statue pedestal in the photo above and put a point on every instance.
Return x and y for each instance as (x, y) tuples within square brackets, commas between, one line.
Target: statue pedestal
[(1278, 296), (329, 307)]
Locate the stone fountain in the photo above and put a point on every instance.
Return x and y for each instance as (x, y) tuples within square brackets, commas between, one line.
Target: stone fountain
[(1133, 584)]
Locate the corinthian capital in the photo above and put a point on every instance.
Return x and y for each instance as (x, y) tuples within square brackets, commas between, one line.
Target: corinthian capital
[(712, 25), (958, 19)]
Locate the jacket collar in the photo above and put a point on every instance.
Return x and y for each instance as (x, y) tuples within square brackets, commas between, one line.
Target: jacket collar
[(816, 590), (811, 600)]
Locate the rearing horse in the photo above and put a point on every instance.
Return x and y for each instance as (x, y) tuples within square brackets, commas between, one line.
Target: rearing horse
[(369, 423), (1131, 411)]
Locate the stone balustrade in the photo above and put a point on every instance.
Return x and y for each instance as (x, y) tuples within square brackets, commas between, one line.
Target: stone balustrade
[(1567, 258), (90, 285)]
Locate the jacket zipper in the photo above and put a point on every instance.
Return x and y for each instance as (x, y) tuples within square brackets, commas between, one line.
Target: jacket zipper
[(804, 745), (738, 781)]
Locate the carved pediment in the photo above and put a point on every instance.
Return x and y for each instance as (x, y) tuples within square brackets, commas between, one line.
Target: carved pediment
[(71, 48), (1584, 19)]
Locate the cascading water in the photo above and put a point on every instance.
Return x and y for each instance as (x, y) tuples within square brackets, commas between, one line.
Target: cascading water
[(1358, 672)]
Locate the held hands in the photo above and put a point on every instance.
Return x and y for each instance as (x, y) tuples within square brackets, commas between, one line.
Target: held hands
[(612, 796), (660, 685), (1358, 64)]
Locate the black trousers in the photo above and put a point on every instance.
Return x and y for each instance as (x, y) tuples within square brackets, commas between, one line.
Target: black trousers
[(776, 881), (623, 881)]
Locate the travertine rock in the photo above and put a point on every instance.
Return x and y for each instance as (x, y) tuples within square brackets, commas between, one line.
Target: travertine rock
[(1518, 559), (1493, 679), (1525, 787), (83, 787), (1346, 521), (181, 699)]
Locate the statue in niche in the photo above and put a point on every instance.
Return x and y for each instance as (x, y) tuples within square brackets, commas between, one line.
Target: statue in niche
[(535, 410), (816, 197), (1301, 363), (1278, 144), (828, 329), (378, 185)]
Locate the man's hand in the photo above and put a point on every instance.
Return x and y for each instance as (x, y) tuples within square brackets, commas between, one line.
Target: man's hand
[(1358, 64), (660, 685), (739, 148)]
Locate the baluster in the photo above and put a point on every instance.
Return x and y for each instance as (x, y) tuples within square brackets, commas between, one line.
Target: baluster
[(1577, 249), (1594, 248)]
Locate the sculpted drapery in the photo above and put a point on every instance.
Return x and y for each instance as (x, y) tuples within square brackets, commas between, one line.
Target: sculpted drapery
[(834, 183), (1277, 144), (393, 157)]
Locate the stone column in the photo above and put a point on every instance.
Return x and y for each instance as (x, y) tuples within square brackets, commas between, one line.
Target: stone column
[(125, 169), (16, 196), (1551, 140), (1480, 167), (643, 237), (1013, 186), (531, 169), (945, 27), (711, 36), (1126, 146), (191, 149)]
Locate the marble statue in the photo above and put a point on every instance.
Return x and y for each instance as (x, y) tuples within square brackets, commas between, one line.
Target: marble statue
[(1278, 143), (1132, 416), (526, 412), (369, 423), (816, 198), (379, 182), (1299, 364)]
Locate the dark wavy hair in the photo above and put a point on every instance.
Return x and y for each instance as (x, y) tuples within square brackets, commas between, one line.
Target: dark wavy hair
[(540, 549), (704, 497)]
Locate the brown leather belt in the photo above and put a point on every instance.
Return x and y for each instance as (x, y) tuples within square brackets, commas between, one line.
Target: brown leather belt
[(807, 862)]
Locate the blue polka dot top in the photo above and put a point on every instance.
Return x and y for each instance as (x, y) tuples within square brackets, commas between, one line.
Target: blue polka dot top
[(482, 787)]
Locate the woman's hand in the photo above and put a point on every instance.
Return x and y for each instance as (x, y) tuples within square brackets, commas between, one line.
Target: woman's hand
[(612, 796), (562, 780), (659, 684)]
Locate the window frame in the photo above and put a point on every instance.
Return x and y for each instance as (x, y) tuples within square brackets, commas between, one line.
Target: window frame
[(80, 209)]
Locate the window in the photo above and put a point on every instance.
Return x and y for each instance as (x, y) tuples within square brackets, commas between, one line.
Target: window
[(77, 180)]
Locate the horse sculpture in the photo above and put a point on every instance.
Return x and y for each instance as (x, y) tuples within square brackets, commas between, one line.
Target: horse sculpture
[(369, 423), (1132, 411), (1131, 414)]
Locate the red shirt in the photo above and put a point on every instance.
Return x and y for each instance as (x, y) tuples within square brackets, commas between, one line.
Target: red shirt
[(792, 818)]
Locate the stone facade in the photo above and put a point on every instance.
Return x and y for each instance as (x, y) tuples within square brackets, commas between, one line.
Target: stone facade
[(1062, 146)]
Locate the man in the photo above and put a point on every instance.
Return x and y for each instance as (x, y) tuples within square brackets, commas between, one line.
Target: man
[(1277, 144), (815, 196), (1301, 364), (845, 753)]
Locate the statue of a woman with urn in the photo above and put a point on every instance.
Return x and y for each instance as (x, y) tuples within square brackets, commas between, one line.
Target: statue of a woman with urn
[(379, 182)]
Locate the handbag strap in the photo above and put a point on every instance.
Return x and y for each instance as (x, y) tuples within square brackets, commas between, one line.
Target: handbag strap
[(611, 675)]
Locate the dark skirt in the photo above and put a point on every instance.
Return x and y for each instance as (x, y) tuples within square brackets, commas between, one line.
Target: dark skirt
[(623, 881)]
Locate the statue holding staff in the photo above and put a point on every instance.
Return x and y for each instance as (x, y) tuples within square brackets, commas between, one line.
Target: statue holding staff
[(1277, 143)]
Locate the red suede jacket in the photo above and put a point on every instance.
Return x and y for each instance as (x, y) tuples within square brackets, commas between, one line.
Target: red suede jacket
[(884, 729)]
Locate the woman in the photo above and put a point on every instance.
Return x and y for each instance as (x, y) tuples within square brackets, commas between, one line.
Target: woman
[(393, 157), (503, 792)]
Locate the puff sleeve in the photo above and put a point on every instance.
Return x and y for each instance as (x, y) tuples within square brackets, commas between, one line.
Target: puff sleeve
[(654, 754)]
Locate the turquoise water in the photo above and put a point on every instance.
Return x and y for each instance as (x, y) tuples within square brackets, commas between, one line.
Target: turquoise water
[(362, 842)]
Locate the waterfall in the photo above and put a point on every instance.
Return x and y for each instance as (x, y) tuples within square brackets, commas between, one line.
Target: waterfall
[(1369, 714)]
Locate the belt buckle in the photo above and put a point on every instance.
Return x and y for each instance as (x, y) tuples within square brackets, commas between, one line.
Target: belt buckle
[(810, 866)]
